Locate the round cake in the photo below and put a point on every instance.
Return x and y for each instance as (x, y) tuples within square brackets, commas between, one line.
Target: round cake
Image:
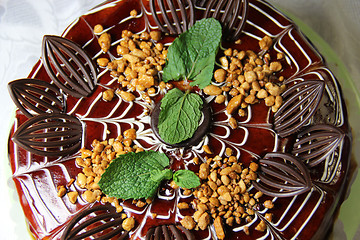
[(180, 119)]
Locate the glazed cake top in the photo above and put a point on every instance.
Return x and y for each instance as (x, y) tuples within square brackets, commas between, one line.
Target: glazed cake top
[(262, 135)]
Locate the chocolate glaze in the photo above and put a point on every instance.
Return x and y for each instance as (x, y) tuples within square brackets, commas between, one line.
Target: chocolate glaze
[(53, 134), (303, 216), (69, 66), (34, 95), (199, 134)]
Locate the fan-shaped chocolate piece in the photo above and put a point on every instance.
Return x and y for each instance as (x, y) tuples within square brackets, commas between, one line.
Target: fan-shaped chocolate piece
[(69, 66), (316, 143), (232, 15), (168, 232), (172, 16), (102, 221), (300, 102), (282, 175), (34, 96), (53, 134)]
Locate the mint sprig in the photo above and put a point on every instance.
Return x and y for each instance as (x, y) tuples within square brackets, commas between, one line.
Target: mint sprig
[(192, 55), (186, 179), (139, 175), (179, 116)]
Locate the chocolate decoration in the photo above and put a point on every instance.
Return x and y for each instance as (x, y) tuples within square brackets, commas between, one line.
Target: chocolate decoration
[(300, 102), (68, 65), (199, 133), (170, 21), (282, 175), (53, 134), (316, 143), (169, 232), (104, 218), (232, 15), (34, 96)]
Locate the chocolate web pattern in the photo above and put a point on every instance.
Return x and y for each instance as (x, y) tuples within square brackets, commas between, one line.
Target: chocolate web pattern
[(38, 177)]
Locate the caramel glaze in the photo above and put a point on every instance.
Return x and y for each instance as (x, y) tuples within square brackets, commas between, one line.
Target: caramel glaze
[(36, 177)]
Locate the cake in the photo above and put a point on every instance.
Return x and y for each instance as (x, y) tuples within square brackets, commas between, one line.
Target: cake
[(271, 149)]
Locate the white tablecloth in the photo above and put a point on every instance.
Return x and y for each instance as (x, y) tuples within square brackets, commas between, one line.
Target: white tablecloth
[(24, 22)]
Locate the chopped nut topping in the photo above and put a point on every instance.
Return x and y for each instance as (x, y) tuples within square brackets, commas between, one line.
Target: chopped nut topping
[(61, 191), (105, 42), (73, 196), (98, 28), (188, 222), (128, 224), (133, 13)]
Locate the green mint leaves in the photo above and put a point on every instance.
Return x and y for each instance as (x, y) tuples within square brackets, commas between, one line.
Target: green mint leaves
[(192, 55), (139, 175), (129, 175), (186, 179), (179, 116)]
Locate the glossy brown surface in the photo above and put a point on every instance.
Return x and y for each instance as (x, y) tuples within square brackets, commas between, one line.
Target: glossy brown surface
[(303, 216)]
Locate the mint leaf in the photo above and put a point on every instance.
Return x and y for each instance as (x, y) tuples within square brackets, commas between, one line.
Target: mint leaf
[(192, 55), (179, 116), (132, 175), (186, 179), (159, 176)]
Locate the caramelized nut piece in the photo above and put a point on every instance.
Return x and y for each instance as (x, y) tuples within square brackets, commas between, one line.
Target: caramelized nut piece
[(204, 221), (128, 224), (73, 196), (234, 104), (98, 29), (108, 95), (130, 134), (105, 42), (127, 96), (220, 75), (188, 222), (204, 171), (183, 205), (102, 62), (61, 191), (133, 13), (268, 204), (219, 229), (212, 90), (275, 66), (155, 35), (261, 226), (265, 43)]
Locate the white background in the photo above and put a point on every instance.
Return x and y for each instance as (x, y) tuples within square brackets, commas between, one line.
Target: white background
[(24, 22)]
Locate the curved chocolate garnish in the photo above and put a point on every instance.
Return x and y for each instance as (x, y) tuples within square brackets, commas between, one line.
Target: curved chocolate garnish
[(199, 133), (36, 96), (282, 175), (232, 15), (316, 143), (101, 222), (69, 66), (175, 16), (300, 102), (169, 232), (54, 134)]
